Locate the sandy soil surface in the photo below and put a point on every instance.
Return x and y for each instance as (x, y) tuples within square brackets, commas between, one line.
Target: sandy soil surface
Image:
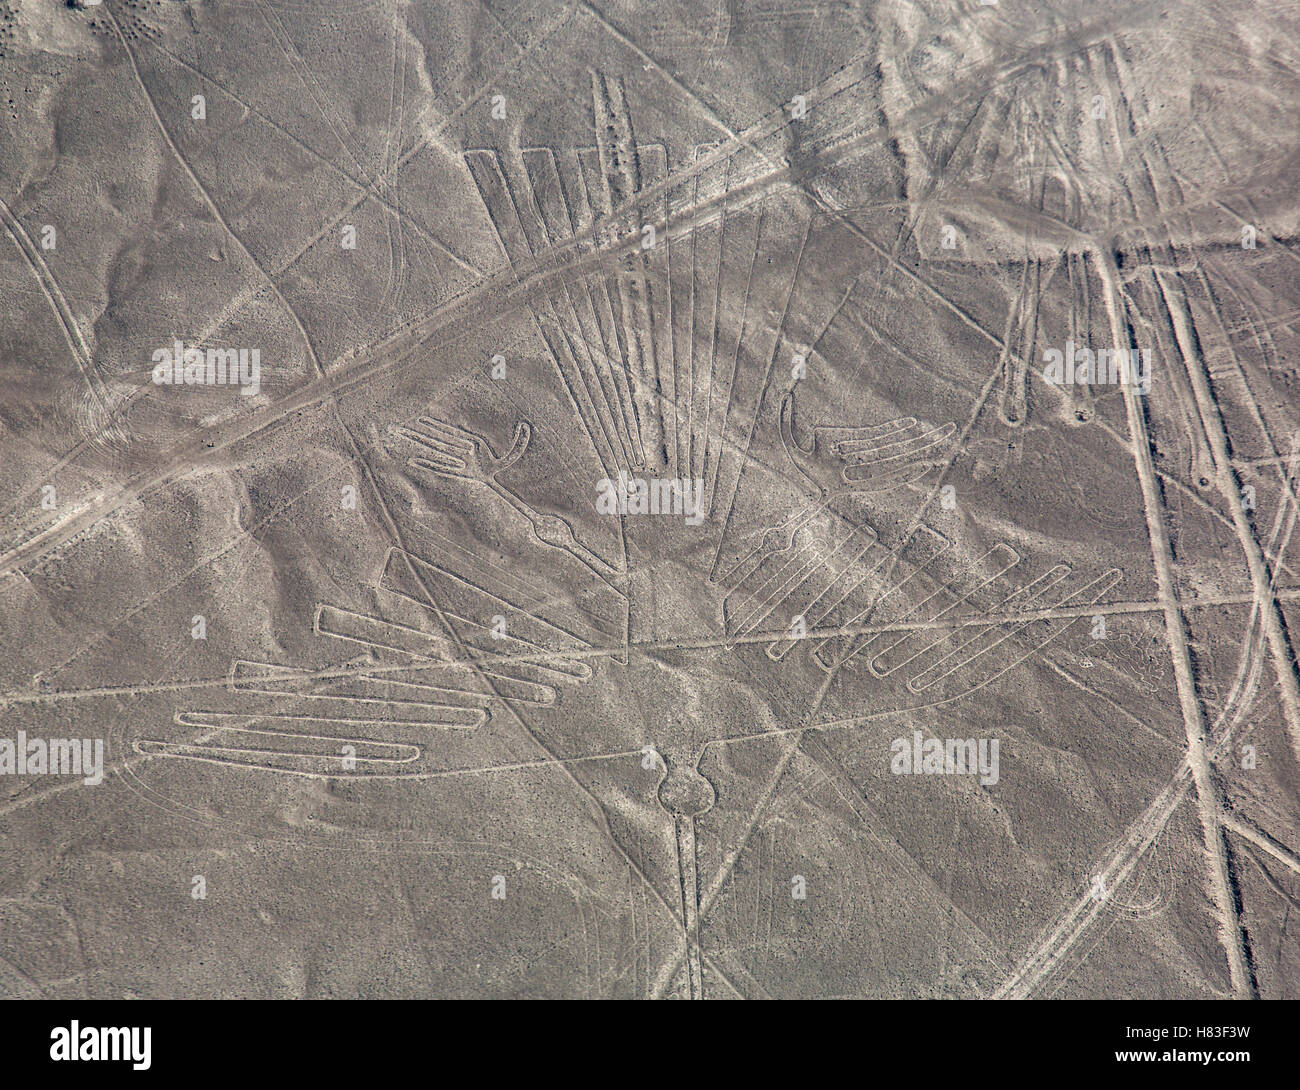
[(548, 498)]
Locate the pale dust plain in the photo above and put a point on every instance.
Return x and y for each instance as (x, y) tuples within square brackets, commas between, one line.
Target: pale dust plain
[(450, 729)]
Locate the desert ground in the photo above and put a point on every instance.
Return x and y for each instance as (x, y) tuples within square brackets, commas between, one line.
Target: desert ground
[(695, 499)]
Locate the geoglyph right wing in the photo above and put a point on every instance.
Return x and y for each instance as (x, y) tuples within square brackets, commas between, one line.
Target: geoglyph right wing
[(871, 458)]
